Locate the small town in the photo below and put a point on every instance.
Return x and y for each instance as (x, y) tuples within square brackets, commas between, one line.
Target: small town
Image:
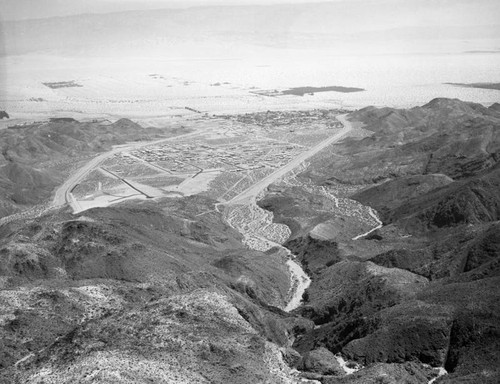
[(229, 153), (232, 157), (283, 119)]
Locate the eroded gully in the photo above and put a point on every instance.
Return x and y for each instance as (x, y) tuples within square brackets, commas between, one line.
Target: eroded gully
[(261, 233)]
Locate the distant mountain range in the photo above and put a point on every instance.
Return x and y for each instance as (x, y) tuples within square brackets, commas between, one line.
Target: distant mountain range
[(337, 25)]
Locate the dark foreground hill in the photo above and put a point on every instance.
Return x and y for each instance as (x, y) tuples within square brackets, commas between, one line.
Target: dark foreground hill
[(140, 292), (35, 158)]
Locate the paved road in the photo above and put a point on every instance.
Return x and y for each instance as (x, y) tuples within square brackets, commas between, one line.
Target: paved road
[(61, 196), (251, 193)]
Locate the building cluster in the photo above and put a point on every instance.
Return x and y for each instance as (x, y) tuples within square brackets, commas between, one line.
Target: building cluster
[(232, 157), (241, 148), (288, 118)]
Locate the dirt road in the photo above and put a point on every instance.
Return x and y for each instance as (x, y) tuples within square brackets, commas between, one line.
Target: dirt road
[(251, 193), (61, 196)]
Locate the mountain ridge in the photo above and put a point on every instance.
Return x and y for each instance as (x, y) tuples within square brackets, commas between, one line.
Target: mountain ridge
[(411, 289)]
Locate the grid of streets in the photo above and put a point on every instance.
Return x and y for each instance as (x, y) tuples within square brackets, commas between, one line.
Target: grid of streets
[(227, 155)]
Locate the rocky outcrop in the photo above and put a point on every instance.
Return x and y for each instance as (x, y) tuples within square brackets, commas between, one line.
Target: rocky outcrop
[(322, 362), (472, 201), (495, 107), (406, 333), (450, 252), (407, 373), (27, 185), (345, 298), (311, 215), (394, 193), (484, 249), (475, 330), (196, 337), (314, 254)]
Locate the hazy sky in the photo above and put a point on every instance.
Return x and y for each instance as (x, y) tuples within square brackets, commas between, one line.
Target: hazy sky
[(350, 16), (28, 9)]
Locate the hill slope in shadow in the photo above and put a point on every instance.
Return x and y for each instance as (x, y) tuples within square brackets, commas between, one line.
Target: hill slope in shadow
[(424, 286)]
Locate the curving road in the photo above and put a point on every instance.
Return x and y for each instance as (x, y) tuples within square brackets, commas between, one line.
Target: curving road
[(251, 193), (61, 196)]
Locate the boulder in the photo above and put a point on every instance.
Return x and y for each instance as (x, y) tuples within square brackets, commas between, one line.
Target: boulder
[(321, 361), (414, 331), (292, 357)]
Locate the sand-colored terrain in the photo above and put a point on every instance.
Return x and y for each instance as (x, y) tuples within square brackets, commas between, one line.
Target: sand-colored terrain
[(157, 90)]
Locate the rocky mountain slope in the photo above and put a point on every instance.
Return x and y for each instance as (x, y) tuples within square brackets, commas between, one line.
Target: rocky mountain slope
[(445, 136), (424, 286), (422, 202), (138, 292)]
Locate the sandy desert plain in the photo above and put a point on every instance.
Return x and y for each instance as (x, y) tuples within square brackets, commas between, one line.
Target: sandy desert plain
[(154, 90)]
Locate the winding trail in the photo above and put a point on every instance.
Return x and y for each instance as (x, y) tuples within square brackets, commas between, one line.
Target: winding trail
[(373, 214)]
